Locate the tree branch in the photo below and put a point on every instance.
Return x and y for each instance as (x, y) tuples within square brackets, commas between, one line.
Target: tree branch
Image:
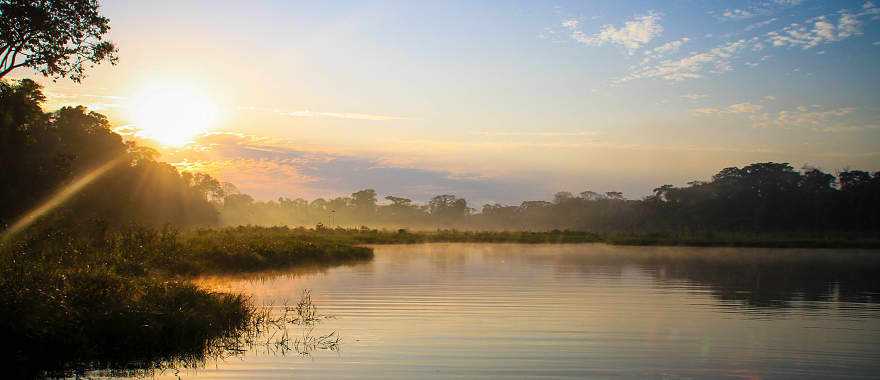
[(13, 67)]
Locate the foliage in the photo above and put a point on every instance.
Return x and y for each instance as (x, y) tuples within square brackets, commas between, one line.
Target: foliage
[(57, 38), (769, 198), (41, 153), (83, 295)]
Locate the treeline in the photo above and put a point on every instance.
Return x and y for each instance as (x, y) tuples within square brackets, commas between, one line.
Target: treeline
[(760, 198), (43, 153)]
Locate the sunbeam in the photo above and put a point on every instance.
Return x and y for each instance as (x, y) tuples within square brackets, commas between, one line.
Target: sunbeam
[(59, 198)]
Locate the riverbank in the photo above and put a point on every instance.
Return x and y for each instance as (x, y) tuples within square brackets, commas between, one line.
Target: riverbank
[(721, 239), (73, 298)]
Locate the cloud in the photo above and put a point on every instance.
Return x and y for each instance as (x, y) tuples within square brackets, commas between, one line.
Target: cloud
[(670, 47), (814, 117), (706, 111), (760, 24), (635, 33), (344, 115), (716, 60), (816, 32), (665, 49), (95, 102), (739, 108), (744, 108), (694, 96), (755, 9), (849, 128), (270, 168), (333, 115), (803, 116), (737, 14), (811, 33), (537, 134)]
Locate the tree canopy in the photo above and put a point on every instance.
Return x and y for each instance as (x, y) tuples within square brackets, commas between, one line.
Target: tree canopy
[(41, 153), (56, 38), (761, 198)]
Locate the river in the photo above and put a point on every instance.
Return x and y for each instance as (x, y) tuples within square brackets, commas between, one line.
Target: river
[(576, 311)]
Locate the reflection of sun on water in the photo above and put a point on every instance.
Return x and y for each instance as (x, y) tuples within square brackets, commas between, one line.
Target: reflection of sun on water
[(172, 115)]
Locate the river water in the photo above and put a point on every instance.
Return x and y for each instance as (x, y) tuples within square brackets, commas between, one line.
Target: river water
[(576, 311)]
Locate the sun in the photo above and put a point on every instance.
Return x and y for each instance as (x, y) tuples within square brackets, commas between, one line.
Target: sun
[(172, 115)]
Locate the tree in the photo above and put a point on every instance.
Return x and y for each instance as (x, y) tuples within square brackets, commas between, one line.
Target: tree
[(448, 208), (364, 201), (562, 197), (41, 153), (399, 202), (56, 38)]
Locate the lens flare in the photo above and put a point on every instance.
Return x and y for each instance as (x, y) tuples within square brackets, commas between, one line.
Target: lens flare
[(58, 198)]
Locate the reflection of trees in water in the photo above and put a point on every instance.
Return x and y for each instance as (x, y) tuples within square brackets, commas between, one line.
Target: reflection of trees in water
[(760, 278), (776, 283)]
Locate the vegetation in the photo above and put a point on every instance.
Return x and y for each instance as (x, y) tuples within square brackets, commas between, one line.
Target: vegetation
[(43, 152), (769, 199), (366, 235), (69, 295), (56, 38)]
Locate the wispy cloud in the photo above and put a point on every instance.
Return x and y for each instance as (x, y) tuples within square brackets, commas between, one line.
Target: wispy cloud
[(755, 9), (816, 32), (693, 66), (739, 108), (737, 14), (536, 133), (270, 168), (333, 115), (813, 32), (635, 32), (665, 49), (344, 115), (760, 24), (815, 117), (694, 96)]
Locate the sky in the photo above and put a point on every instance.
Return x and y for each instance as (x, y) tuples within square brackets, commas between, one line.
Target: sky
[(496, 101)]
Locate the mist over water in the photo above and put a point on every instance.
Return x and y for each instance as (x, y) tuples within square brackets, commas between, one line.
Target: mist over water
[(574, 311)]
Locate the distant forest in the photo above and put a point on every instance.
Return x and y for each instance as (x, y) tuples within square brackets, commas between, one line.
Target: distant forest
[(42, 153)]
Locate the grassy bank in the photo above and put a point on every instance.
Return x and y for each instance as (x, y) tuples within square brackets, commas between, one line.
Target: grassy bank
[(73, 298), (722, 239)]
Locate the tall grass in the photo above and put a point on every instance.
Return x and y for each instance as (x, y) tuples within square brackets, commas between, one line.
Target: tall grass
[(363, 235), (87, 297)]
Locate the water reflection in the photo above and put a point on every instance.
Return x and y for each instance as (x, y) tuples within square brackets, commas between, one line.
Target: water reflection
[(576, 311), (754, 278)]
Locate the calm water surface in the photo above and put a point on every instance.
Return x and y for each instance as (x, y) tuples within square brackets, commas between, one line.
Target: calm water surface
[(578, 311)]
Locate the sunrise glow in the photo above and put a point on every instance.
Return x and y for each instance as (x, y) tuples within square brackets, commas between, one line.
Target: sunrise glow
[(173, 115)]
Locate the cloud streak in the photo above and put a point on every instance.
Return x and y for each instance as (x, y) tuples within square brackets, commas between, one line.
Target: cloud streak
[(815, 117), (268, 168), (634, 33), (331, 115), (721, 58)]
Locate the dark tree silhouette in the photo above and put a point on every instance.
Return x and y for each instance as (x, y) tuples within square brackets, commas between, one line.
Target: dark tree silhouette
[(57, 38), (758, 198), (41, 153)]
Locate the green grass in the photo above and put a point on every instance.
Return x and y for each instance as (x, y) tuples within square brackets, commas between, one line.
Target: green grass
[(717, 239), (73, 298)]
